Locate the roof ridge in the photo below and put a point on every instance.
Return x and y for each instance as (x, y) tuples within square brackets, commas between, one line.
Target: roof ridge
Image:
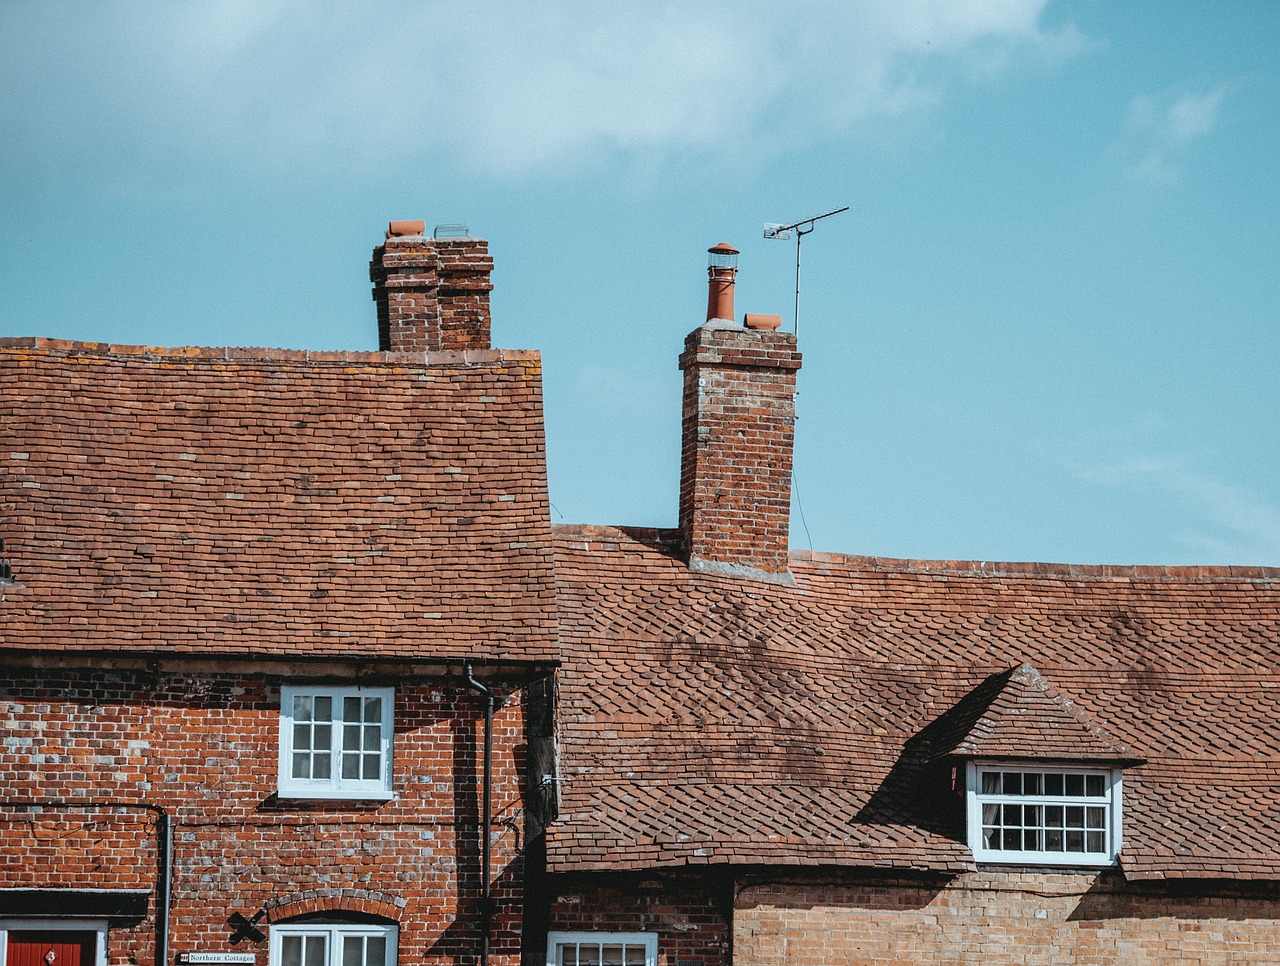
[(988, 568), (235, 354), (979, 568)]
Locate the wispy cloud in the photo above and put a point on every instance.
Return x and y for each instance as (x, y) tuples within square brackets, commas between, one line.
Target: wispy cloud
[(506, 88), (1220, 521), (1225, 522), (1163, 128)]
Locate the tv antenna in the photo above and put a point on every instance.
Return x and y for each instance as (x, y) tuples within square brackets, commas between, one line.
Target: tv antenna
[(801, 228)]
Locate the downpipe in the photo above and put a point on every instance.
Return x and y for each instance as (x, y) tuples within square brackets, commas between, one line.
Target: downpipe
[(486, 895)]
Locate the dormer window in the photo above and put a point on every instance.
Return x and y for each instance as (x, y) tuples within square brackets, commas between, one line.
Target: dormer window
[(1044, 815)]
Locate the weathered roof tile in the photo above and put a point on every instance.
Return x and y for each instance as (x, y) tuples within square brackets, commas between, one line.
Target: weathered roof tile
[(711, 718), (1017, 714), (274, 502)]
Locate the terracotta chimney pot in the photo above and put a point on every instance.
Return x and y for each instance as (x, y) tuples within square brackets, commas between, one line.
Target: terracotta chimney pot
[(722, 269), (401, 229), (766, 323)]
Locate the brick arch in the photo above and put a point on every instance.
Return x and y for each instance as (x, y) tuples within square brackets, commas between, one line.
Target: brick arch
[(335, 900)]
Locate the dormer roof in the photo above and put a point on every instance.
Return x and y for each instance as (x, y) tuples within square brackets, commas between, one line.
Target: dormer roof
[(1017, 714)]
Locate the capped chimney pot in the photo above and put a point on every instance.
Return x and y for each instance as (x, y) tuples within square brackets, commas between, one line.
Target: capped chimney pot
[(722, 269), (756, 320), (400, 229)]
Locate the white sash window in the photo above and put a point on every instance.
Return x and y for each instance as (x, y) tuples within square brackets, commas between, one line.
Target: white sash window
[(335, 742), (1044, 815), (602, 949), (333, 944)]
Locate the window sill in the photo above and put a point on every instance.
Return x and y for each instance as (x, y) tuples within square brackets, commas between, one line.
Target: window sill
[(334, 795), (1042, 859)]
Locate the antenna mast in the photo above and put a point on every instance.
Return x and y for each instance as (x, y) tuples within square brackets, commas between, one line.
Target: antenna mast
[(799, 227)]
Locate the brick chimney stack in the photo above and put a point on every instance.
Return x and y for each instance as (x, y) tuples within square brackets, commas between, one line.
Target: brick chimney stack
[(738, 431), (431, 293)]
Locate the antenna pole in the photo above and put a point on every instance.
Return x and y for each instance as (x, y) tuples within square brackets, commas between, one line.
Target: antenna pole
[(781, 231), (796, 326)]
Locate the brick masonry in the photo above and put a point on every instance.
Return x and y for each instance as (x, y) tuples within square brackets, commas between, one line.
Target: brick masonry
[(1024, 918), (1033, 918), (690, 913), (432, 294), (203, 746), (738, 428)]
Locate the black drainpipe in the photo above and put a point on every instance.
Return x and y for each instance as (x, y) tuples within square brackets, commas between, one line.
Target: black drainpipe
[(164, 856), (486, 896)]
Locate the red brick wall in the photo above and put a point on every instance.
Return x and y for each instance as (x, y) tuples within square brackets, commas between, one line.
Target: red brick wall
[(737, 437), (689, 914), (1056, 919), (204, 748), (432, 294)]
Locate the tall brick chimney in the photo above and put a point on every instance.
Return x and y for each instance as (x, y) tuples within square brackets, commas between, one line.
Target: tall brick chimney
[(738, 430), (431, 293)]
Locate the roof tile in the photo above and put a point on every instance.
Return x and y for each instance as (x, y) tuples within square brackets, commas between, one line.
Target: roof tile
[(761, 723), (269, 502)]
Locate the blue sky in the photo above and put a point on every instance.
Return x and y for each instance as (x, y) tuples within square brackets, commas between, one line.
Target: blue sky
[(1046, 331)]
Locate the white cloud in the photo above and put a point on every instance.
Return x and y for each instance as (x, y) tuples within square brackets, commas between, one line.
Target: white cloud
[(1234, 524), (503, 87), (1221, 520), (1161, 130)]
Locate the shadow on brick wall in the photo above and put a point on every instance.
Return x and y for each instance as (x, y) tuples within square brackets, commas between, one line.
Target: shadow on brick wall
[(1111, 897), (460, 942), (875, 891)]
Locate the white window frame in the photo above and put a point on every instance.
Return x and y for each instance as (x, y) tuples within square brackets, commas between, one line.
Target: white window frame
[(1111, 801), (98, 926), (647, 939), (334, 933), (335, 786)]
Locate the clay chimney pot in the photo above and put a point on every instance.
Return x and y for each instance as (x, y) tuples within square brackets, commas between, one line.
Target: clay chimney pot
[(401, 229), (722, 269)]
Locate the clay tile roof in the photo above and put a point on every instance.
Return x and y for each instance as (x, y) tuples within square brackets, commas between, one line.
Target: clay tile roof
[(715, 719), (273, 502), (1017, 714)]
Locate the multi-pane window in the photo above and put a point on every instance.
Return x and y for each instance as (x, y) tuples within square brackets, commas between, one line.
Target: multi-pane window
[(602, 949), (1068, 816), (325, 944), (335, 743)]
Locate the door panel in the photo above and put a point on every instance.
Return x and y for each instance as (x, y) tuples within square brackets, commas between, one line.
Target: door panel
[(51, 947)]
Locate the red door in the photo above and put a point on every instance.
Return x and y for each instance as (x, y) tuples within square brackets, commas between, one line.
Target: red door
[(51, 947)]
